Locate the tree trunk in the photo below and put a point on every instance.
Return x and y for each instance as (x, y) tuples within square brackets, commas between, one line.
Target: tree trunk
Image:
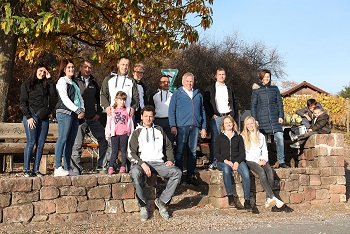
[(8, 45)]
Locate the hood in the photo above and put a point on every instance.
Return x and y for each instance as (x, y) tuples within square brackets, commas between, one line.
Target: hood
[(259, 85)]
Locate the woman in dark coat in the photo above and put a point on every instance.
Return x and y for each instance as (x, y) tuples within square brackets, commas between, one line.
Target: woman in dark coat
[(267, 109)]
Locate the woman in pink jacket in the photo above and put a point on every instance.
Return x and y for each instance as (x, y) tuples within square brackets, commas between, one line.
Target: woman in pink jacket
[(118, 128)]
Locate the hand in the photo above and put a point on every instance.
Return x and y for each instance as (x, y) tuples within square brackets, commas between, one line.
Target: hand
[(203, 133), (146, 169), (228, 162), (31, 123), (109, 111), (132, 111), (108, 138), (81, 115), (174, 130), (169, 163), (235, 166), (96, 117), (280, 120), (262, 162), (47, 73), (214, 116)]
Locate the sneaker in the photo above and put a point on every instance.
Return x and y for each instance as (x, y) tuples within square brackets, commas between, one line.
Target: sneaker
[(101, 170), (122, 170), (212, 166), (231, 201), (26, 173), (293, 137), (162, 208), (72, 173), (60, 172), (38, 174), (279, 203), (247, 205), (143, 213), (270, 202), (192, 180), (111, 171), (283, 165), (296, 145)]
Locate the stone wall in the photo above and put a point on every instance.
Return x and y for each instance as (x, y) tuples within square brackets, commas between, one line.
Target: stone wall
[(319, 178)]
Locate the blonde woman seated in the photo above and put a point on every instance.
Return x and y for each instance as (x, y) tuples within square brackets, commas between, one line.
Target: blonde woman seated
[(257, 159)]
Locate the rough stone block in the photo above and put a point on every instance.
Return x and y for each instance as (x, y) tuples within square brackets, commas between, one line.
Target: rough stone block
[(108, 179), (294, 177), (44, 207), (204, 177), (103, 191), (337, 151), (317, 203), (58, 218), (130, 205), (284, 196), (328, 180), (310, 143), (40, 218), (341, 161), (296, 198), (327, 161), (341, 180), (335, 198), (338, 171), (315, 180), (304, 180), (5, 200), (321, 150), (309, 193), (339, 189), (216, 190), (291, 185), (339, 139), (78, 217), (16, 214), (82, 204), (84, 181), (9, 185), (322, 194), (283, 173), (72, 191), (96, 204), (325, 139), (123, 191), (22, 197), (125, 178), (302, 163), (114, 207), (219, 202), (67, 204), (36, 183), (260, 198), (302, 156), (49, 192), (326, 171), (310, 154), (342, 198), (58, 181), (313, 171), (216, 177)]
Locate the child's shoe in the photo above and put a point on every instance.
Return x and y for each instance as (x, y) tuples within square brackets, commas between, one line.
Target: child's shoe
[(122, 170), (111, 171)]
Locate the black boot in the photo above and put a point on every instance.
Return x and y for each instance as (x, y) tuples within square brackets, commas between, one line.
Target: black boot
[(231, 201), (247, 205)]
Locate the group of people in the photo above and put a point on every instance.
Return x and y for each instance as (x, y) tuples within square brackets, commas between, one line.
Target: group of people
[(160, 120)]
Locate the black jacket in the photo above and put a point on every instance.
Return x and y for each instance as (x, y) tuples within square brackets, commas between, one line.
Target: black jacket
[(36, 98), (91, 96), (321, 126), (267, 107), (210, 104), (230, 149)]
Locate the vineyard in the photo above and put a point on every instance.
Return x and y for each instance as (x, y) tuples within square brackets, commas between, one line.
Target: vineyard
[(335, 105)]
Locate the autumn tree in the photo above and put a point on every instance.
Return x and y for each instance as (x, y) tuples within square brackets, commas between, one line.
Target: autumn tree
[(345, 92), (109, 29)]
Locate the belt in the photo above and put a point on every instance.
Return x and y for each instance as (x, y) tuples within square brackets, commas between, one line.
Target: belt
[(161, 118), (223, 114)]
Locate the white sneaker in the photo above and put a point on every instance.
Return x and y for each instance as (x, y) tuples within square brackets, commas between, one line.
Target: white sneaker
[(270, 202), (60, 172), (279, 203), (72, 173)]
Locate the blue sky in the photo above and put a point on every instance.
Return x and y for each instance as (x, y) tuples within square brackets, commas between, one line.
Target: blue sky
[(311, 36)]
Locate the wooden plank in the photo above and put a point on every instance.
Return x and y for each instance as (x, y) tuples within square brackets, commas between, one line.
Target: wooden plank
[(18, 148), (16, 131)]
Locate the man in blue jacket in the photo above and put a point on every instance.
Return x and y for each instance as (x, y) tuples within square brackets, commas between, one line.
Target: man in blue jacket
[(186, 118)]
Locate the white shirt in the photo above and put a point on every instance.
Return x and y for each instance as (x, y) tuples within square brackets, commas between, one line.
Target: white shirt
[(189, 93), (257, 151), (123, 84), (87, 80), (221, 98), (141, 95)]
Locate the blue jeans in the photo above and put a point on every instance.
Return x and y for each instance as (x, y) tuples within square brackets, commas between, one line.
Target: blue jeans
[(214, 130), (227, 176), (67, 131), (278, 137), (186, 136), (36, 136)]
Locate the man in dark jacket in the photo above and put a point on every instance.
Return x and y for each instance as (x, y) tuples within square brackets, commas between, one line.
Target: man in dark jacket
[(90, 92), (219, 101), (141, 88), (319, 125)]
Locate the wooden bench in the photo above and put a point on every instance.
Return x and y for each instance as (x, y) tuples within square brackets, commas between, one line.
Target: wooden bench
[(13, 143)]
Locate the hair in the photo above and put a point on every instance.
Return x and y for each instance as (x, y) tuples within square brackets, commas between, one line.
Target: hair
[(250, 137), (139, 65), (148, 108), (122, 57), (33, 79), (187, 74), (84, 61), (311, 102), (263, 72), (317, 108), (63, 65), (232, 120), (120, 95), (219, 69)]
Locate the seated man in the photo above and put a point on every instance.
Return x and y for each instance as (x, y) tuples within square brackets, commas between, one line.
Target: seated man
[(150, 150), (306, 113), (319, 125)]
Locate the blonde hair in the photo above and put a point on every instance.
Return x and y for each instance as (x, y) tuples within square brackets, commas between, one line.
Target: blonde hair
[(120, 95), (250, 137), (222, 127)]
